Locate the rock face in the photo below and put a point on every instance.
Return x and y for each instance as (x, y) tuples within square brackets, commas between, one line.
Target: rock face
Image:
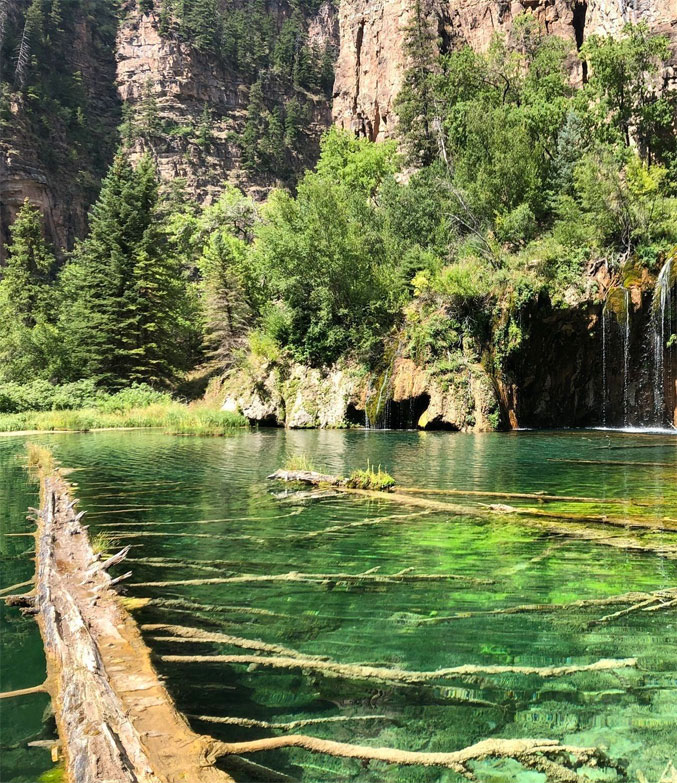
[(369, 65), (371, 57), (194, 104), (406, 396), (39, 157), (183, 86)]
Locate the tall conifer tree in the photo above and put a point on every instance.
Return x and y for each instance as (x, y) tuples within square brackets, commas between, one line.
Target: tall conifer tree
[(123, 314)]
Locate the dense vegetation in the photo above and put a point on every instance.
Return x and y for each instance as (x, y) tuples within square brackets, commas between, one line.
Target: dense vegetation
[(519, 182)]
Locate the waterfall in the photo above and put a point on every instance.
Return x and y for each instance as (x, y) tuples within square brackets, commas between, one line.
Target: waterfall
[(626, 358), (661, 315), (604, 378)]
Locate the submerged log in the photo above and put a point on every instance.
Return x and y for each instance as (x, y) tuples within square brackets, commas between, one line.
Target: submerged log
[(116, 721), (547, 756)]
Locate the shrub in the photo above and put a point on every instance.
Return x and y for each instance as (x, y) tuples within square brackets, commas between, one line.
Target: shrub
[(369, 478)]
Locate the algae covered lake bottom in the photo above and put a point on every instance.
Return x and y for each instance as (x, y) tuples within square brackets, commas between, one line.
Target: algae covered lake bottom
[(196, 509)]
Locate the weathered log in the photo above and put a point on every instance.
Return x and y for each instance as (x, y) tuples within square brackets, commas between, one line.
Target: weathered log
[(547, 756), (115, 718), (308, 477), (382, 674), (296, 576)]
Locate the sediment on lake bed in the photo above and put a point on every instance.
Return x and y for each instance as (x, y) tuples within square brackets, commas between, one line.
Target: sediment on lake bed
[(115, 718)]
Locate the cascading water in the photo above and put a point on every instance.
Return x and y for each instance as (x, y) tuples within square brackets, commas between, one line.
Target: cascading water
[(626, 359), (604, 374), (661, 323)]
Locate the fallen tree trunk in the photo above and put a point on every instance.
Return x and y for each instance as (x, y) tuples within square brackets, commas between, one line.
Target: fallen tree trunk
[(116, 721), (546, 756)]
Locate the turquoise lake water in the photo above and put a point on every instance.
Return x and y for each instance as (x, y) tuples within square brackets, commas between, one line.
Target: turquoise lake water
[(200, 508)]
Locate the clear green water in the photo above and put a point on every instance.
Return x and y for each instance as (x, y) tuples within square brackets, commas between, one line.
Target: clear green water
[(146, 482)]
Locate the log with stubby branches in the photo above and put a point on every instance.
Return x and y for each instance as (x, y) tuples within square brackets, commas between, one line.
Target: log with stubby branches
[(482, 511), (115, 718)]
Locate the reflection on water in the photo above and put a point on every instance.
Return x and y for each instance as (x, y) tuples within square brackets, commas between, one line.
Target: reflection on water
[(201, 508)]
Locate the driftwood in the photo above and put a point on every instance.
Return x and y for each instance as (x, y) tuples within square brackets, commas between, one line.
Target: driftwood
[(382, 674), (115, 718), (546, 756), (371, 576)]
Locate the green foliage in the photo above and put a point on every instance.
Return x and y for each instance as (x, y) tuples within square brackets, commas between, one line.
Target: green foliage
[(323, 257), (44, 396), (173, 417), (26, 298), (626, 102), (377, 480), (125, 315), (299, 462)]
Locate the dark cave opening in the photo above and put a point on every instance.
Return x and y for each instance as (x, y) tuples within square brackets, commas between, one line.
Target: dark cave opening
[(578, 22)]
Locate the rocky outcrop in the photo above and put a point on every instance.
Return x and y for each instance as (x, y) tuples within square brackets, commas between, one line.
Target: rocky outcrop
[(369, 66), (405, 396), (371, 57)]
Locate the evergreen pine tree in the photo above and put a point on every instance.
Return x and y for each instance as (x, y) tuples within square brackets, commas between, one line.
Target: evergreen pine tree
[(415, 102), (122, 291), (30, 262), (25, 299)]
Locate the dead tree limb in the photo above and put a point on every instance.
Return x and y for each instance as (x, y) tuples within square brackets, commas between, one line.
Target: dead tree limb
[(24, 691), (290, 726), (546, 756), (382, 674), (296, 576)]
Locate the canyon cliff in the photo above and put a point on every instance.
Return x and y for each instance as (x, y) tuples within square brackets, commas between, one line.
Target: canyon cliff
[(372, 34)]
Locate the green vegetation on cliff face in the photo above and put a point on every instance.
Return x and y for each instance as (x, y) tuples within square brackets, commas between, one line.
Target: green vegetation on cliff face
[(269, 49), (60, 106), (521, 183)]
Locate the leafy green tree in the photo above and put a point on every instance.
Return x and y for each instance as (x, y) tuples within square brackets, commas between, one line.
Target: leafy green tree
[(124, 312), (624, 88), (331, 286)]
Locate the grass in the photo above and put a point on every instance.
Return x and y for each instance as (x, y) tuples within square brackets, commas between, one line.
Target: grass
[(104, 544), (173, 417), (369, 478), (299, 462), (40, 460)]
